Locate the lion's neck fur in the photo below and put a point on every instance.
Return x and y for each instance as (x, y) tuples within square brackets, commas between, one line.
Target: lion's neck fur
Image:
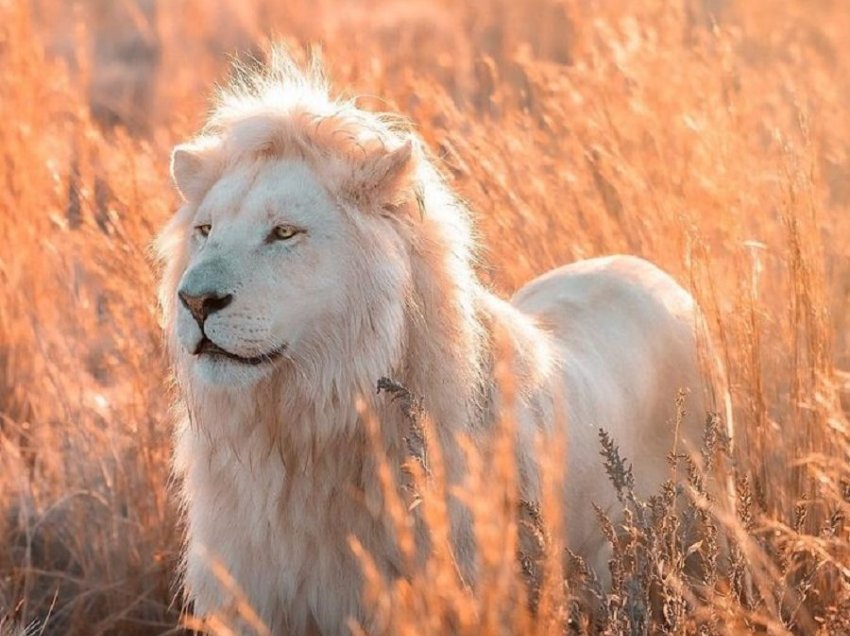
[(294, 494)]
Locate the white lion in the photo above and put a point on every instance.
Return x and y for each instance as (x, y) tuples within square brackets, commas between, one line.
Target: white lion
[(319, 250)]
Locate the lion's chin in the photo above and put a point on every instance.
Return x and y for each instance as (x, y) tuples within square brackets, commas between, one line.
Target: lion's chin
[(223, 372)]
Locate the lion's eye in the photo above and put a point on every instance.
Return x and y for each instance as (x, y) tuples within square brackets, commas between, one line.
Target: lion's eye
[(283, 233), (203, 230)]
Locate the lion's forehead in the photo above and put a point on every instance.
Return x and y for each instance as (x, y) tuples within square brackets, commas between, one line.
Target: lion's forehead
[(274, 191)]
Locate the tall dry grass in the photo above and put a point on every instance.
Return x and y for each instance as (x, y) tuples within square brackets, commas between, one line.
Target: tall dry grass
[(711, 137)]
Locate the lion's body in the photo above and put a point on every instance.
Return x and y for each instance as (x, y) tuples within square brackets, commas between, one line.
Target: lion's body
[(625, 333), (275, 462)]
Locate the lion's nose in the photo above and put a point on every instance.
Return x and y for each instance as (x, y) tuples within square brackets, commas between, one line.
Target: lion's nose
[(202, 305)]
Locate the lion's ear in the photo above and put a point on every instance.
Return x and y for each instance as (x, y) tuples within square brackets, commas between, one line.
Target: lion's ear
[(383, 177), (195, 166)]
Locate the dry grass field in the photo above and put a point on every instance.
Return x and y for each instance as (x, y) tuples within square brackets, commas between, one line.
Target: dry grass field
[(710, 136)]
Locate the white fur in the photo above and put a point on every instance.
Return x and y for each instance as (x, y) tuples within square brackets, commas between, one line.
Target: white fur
[(274, 460)]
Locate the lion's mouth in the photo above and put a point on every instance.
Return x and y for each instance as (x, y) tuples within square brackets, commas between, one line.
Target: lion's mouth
[(209, 348)]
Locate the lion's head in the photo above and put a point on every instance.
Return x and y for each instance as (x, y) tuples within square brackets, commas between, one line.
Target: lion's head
[(295, 243)]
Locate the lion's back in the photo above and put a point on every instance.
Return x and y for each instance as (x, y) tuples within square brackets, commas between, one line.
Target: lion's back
[(626, 333)]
